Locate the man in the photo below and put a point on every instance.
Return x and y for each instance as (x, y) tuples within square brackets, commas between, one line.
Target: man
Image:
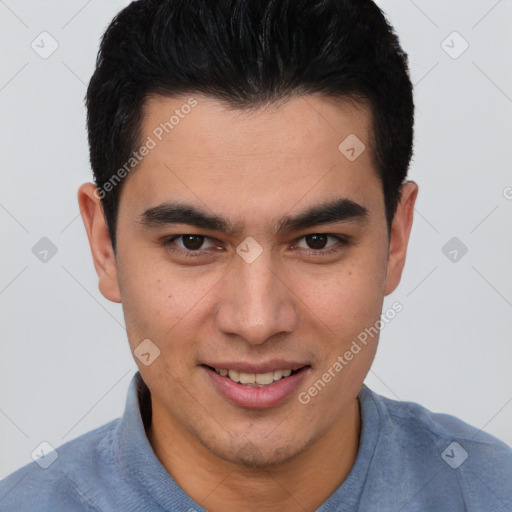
[(251, 211)]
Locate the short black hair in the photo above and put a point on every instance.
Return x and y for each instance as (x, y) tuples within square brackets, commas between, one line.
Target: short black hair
[(247, 54)]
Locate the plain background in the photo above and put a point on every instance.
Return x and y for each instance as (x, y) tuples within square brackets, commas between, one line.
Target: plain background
[(66, 364)]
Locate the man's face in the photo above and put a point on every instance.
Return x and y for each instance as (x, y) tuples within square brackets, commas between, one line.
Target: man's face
[(276, 303)]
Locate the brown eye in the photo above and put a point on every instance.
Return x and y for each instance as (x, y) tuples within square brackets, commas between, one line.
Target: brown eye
[(192, 245), (319, 244), (316, 241), (192, 242)]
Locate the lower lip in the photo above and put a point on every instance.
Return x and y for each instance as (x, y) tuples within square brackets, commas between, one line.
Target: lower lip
[(257, 398)]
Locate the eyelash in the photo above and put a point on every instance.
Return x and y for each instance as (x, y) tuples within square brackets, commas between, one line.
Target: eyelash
[(343, 242)]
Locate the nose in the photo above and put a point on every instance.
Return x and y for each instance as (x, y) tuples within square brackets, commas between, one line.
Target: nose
[(255, 301)]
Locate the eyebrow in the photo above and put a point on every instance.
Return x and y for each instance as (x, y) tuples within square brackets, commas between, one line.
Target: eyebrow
[(168, 213)]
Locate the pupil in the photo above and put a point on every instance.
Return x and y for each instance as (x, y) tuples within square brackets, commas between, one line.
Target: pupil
[(316, 241), (188, 242)]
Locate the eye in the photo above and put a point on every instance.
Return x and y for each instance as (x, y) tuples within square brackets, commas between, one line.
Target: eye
[(188, 244), (318, 243)]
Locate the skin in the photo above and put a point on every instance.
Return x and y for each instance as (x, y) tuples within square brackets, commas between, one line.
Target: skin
[(253, 168)]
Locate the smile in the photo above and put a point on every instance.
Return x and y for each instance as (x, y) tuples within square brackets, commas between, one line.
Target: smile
[(258, 390), (254, 379)]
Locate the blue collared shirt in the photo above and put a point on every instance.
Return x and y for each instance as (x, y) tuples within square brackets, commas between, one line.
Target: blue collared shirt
[(409, 459)]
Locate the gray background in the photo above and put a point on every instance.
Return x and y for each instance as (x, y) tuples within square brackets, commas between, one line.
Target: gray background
[(65, 363)]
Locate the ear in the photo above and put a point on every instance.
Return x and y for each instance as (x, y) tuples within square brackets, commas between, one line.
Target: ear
[(399, 236), (99, 241)]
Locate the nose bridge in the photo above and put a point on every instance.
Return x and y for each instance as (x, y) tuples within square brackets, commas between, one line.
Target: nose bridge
[(254, 302)]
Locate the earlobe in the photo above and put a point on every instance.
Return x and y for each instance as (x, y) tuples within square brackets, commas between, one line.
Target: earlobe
[(99, 240), (399, 237)]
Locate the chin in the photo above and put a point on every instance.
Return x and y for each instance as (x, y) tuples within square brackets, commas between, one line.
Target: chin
[(256, 454)]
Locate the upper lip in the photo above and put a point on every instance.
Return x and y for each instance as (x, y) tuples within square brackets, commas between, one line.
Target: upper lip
[(265, 367)]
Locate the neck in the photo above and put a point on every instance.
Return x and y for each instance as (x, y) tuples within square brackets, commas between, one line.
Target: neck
[(303, 483)]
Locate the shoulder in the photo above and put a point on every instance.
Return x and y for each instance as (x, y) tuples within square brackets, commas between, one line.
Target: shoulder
[(441, 454), (414, 419), (56, 481)]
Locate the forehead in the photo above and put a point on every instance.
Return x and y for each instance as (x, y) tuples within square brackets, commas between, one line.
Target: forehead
[(305, 125), (206, 153)]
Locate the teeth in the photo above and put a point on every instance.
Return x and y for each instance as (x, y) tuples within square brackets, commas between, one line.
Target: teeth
[(246, 378), (234, 375), (263, 379)]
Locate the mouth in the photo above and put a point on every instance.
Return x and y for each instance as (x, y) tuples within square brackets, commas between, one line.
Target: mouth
[(256, 380), (261, 388)]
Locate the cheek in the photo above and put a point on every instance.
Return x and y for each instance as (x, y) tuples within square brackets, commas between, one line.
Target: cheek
[(158, 307), (159, 303), (149, 302), (349, 297)]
